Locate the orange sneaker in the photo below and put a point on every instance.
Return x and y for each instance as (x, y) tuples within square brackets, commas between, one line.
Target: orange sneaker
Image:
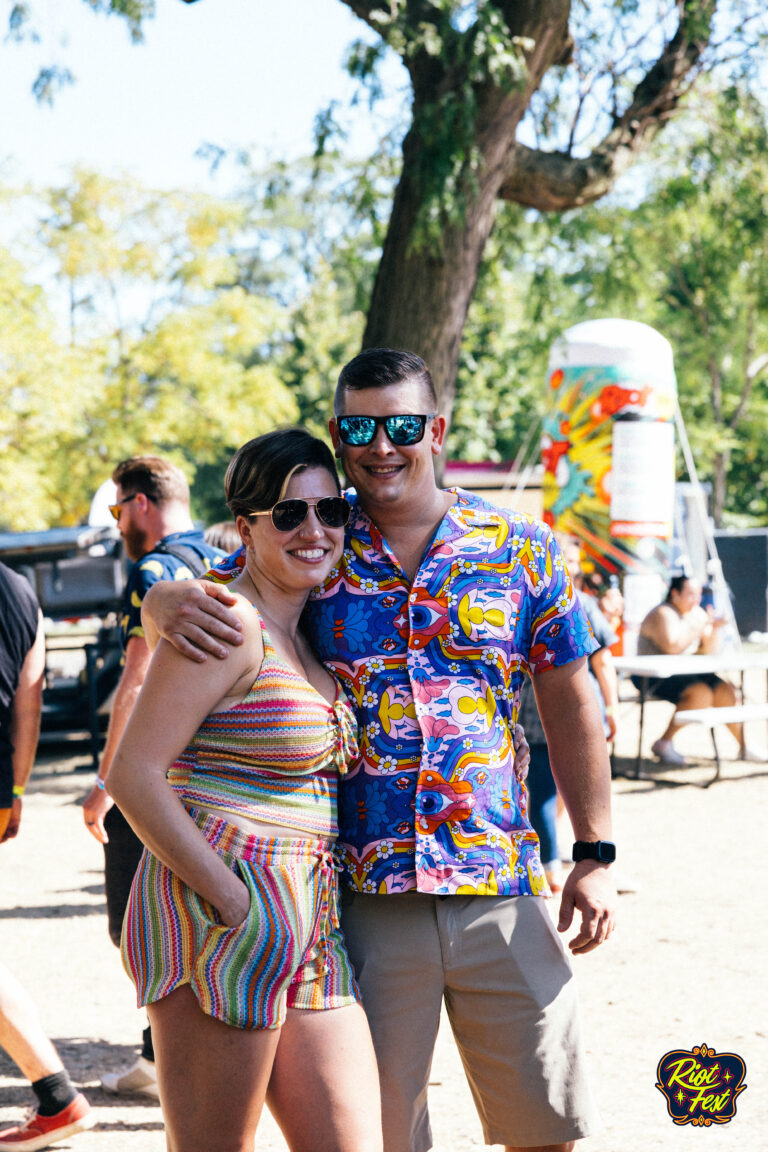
[(41, 1131)]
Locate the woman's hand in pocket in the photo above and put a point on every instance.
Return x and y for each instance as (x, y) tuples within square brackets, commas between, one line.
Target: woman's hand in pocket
[(234, 907)]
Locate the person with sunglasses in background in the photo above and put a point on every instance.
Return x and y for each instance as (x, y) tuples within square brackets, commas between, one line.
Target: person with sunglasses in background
[(228, 772), (440, 607), (153, 516)]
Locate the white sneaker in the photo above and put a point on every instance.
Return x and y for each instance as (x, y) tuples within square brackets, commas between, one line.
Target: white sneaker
[(755, 755), (667, 753), (140, 1078)]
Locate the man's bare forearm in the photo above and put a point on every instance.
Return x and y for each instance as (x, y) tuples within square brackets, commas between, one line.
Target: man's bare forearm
[(577, 748), (194, 616)]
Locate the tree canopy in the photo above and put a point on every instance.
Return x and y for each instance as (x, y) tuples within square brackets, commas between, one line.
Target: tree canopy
[(193, 323), (544, 105)]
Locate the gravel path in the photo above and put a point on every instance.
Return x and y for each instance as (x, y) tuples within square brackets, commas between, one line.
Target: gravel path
[(685, 967)]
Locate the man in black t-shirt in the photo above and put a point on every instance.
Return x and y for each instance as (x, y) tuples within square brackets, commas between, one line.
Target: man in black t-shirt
[(61, 1110), (22, 666)]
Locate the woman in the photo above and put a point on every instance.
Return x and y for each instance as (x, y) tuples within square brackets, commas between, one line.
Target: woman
[(227, 770), (680, 625)]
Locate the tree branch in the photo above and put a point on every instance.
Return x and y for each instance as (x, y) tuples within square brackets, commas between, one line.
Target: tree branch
[(524, 19), (365, 9), (417, 13), (555, 181)]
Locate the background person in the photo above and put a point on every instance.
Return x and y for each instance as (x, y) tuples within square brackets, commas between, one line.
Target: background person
[(223, 535), (544, 806), (677, 626), (61, 1110), (228, 772), (22, 673), (154, 520), (602, 669), (542, 790), (440, 605), (611, 604)]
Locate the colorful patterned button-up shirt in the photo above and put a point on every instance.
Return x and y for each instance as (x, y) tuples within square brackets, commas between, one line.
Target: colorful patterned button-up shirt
[(435, 670)]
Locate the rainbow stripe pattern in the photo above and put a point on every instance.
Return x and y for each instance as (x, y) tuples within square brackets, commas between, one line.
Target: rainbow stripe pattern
[(275, 756), (287, 953)]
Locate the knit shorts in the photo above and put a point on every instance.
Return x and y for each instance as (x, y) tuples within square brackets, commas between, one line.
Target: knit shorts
[(288, 952)]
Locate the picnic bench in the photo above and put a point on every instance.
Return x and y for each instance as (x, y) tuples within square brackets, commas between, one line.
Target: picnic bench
[(647, 668), (712, 717)]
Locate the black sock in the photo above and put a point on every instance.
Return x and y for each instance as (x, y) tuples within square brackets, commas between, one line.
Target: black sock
[(54, 1093), (147, 1050)]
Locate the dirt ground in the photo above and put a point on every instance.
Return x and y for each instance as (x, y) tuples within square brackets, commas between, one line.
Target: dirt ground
[(685, 966)]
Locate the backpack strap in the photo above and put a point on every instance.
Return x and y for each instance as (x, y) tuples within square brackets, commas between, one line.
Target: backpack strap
[(188, 556)]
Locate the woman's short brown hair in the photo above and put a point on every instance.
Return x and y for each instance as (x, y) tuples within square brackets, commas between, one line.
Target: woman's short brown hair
[(258, 472)]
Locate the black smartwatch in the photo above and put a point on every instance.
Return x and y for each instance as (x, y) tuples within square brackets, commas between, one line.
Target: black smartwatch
[(602, 850)]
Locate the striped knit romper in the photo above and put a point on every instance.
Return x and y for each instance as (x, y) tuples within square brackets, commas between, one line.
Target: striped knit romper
[(274, 757)]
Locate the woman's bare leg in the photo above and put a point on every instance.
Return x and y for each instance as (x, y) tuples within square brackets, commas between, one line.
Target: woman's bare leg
[(324, 1091), (725, 697), (698, 695), (702, 696), (212, 1078)]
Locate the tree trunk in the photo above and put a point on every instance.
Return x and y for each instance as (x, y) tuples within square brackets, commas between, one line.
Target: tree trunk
[(421, 297), (422, 294), (719, 485)]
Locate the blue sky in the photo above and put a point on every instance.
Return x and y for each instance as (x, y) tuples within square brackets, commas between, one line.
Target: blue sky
[(232, 72)]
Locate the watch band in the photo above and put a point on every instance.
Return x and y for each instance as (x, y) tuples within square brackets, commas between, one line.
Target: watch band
[(602, 850)]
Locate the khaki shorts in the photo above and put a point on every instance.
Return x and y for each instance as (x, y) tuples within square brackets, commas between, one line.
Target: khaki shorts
[(511, 999)]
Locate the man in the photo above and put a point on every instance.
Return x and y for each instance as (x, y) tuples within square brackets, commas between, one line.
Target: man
[(22, 671), (61, 1110), (153, 517), (440, 605)]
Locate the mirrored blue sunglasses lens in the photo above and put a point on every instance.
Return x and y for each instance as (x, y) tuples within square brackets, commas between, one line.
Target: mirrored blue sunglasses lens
[(357, 430), (405, 429)]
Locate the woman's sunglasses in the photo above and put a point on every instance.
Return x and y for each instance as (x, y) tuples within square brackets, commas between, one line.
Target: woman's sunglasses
[(288, 514), (357, 431)]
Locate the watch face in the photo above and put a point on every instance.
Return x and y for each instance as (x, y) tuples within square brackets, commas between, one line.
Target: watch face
[(602, 850)]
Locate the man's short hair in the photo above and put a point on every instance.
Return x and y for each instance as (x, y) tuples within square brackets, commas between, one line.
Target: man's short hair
[(161, 481), (380, 368)]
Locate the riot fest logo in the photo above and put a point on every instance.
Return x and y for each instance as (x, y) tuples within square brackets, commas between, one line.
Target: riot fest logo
[(701, 1086)]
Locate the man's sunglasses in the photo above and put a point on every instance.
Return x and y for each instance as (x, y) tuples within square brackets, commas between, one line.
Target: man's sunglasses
[(357, 431), (288, 514), (116, 509)]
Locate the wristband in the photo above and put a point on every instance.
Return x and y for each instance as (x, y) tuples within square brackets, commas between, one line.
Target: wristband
[(18, 791), (101, 784)]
